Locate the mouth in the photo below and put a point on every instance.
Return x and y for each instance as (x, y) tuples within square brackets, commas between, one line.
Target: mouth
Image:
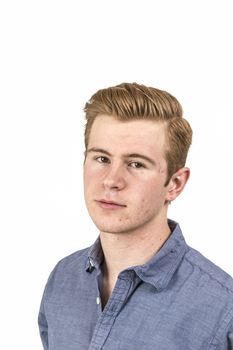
[(105, 204)]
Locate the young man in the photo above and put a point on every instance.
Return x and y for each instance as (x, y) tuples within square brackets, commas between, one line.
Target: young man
[(139, 287)]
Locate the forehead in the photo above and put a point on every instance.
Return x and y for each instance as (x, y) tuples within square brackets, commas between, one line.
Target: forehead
[(141, 135)]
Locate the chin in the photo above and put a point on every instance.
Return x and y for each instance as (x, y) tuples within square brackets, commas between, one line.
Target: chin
[(115, 228), (110, 227)]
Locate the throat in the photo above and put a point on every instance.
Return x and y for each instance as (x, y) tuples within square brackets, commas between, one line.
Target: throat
[(107, 287), (122, 251), (126, 251)]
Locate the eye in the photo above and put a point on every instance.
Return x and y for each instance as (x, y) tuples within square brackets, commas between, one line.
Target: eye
[(102, 159), (136, 165)]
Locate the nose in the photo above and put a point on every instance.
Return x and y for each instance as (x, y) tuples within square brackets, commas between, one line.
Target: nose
[(114, 178)]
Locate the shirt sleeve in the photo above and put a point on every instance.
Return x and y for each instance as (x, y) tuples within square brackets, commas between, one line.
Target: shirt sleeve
[(42, 319), (223, 339), (230, 337), (43, 326)]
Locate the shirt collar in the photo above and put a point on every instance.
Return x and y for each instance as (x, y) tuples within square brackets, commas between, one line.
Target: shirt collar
[(95, 256), (158, 271)]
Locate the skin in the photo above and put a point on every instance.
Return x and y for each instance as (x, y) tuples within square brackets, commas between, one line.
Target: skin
[(124, 176)]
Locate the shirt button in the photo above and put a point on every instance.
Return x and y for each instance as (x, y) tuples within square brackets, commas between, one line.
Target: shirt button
[(97, 300)]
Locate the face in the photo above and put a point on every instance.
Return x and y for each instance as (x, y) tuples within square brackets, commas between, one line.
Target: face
[(124, 175)]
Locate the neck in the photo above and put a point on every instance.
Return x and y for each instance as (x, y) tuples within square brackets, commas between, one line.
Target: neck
[(124, 250)]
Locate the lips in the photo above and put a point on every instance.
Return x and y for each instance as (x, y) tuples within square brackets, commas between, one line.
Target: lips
[(106, 204)]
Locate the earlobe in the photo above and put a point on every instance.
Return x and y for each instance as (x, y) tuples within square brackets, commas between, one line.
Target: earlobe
[(177, 183)]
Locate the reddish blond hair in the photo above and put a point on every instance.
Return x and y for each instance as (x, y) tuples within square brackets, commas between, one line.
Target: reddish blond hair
[(131, 101)]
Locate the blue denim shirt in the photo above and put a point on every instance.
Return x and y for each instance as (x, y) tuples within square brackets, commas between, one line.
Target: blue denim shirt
[(177, 301)]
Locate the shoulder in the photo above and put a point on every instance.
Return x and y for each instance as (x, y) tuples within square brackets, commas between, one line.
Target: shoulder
[(67, 273), (73, 261), (211, 273), (209, 291)]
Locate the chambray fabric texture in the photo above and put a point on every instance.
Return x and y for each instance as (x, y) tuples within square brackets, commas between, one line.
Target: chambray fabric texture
[(179, 300)]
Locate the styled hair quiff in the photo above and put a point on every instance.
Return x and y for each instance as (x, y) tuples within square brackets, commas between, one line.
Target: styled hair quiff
[(131, 101)]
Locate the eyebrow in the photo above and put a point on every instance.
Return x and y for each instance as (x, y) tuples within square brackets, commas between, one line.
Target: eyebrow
[(130, 155), (98, 150)]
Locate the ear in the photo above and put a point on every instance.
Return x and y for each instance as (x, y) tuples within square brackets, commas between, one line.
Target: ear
[(177, 183)]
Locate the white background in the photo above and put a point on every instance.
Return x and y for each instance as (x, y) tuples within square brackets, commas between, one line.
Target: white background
[(54, 56)]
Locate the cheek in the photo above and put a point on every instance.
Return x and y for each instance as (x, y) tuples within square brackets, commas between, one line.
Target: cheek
[(92, 180), (143, 198), (89, 175), (150, 195), (92, 171), (88, 181)]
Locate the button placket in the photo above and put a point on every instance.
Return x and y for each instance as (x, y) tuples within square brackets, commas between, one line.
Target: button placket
[(110, 312)]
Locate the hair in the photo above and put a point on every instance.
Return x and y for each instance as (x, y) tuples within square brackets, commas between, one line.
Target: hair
[(132, 101)]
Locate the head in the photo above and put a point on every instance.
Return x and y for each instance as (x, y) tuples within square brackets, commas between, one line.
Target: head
[(131, 101), (136, 147)]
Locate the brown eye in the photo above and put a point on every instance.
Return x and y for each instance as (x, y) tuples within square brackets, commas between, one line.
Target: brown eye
[(136, 165), (102, 159)]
